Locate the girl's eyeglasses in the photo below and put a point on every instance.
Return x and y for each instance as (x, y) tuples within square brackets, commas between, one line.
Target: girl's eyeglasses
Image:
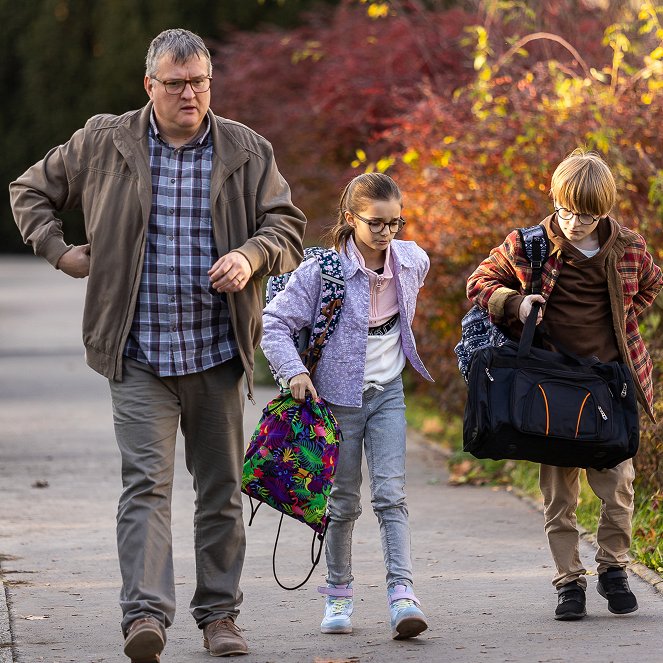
[(377, 225), (567, 215)]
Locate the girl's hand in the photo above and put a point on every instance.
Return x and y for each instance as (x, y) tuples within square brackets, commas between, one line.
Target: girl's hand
[(299, 385), (526, 307)]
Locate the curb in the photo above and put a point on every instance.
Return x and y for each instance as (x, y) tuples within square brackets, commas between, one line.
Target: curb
[(643, 572), (6, 642)]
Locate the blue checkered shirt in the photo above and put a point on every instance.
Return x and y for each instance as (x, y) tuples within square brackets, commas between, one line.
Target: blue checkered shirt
[(181, 325)]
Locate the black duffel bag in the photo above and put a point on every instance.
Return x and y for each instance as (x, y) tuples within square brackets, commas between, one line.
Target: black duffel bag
[(526, 403)]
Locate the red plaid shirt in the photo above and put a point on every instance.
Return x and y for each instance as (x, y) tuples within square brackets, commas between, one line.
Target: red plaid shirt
[(633, 283)]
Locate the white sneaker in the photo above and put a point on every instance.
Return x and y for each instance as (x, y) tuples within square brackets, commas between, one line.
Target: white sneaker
[(338, 609), (407, 620)]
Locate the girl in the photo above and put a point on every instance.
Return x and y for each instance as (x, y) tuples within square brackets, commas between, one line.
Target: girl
[(598, 280), (359, 375)]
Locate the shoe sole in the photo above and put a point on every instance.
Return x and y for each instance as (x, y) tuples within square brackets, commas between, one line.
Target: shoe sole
[(571, 616), (626, 611), (340, 630), (145, 647), (230, 652), (410, 627)]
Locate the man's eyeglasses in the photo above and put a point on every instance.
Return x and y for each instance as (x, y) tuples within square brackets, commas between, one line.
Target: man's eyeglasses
[(377, 225), (198, 85), (567, 215)]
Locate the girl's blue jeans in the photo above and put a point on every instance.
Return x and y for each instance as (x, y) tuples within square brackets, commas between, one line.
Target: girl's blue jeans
[(378, 427)]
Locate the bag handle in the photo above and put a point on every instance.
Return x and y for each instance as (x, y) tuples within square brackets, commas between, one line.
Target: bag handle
[(527, 338), (315, 557)]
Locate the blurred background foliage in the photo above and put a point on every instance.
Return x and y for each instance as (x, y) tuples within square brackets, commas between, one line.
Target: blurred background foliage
[(469, 105)]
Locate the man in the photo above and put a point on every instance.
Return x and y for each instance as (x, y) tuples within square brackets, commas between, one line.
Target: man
[(185, 212)]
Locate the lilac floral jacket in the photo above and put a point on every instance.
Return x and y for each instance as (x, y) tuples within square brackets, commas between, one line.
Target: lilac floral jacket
[(339, 377)]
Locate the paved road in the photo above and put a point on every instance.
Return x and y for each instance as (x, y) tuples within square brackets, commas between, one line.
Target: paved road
[(481, 562)]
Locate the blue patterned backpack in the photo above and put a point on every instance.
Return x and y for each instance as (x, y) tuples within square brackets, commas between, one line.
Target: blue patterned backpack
[(310, 342), (477, 330)]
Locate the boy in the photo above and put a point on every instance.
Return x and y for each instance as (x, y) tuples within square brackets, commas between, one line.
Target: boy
[(598, 279)]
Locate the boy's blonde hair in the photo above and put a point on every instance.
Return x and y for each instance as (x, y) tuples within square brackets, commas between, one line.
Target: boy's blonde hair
[(583, 183)]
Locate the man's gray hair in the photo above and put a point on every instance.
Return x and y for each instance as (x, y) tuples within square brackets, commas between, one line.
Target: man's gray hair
[(181, 45)]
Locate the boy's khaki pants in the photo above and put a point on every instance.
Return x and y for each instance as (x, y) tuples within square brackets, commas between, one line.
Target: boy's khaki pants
[(560, 487)]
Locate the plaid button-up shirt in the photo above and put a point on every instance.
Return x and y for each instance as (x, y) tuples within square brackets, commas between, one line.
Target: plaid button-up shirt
[(180, 325)]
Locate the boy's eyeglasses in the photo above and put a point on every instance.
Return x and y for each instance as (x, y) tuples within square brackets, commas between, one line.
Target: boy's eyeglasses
[(567, 215), (377, 225), (198, 85)]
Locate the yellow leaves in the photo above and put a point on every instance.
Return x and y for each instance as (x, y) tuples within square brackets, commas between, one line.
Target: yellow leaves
[(361, 158), (376, 9), (485, 74), (479, 61), (312, 50), (657, 53), (599, 75), (381, 165), (384, 163), (410, 156), (442, 159)]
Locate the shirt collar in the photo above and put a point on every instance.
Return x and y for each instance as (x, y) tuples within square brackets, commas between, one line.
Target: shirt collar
[(387, 273), (198, 141)]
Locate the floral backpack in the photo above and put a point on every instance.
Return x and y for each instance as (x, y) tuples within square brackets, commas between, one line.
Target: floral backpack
[(291, 459)]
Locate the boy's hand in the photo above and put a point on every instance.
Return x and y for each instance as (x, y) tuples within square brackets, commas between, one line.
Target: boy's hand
[(299, 385), (526, 308)]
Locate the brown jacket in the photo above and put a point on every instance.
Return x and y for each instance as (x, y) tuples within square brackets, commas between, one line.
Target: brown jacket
[(104, 171)]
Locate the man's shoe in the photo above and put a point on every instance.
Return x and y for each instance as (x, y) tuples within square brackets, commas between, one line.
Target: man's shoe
[(223, 638), (338, 609), (613, 585), (571, 602), (144, 640), (407, 619)]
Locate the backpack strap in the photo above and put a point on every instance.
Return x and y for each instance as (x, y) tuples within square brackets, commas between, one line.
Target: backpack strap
[(332, 294), (535, 241)]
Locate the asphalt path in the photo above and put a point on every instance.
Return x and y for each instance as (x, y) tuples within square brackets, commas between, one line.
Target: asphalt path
[(482, 566)]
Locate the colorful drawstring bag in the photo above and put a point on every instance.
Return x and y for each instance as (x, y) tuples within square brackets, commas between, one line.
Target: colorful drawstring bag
[(290, 464)]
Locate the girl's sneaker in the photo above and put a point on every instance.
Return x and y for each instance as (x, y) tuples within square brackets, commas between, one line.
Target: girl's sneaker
[(338, 608), (407, 620)]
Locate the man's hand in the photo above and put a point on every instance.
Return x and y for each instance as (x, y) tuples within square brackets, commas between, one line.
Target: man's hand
[(230, 273), (76, 261), (299, 385), (526, 308)]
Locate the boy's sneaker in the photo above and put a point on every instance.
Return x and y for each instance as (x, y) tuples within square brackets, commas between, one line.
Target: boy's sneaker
[(613, 585), (571, 601), (407, 620), (338, 609)]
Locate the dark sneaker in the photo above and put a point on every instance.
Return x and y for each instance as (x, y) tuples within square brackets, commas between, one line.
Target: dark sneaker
[(223, 638), (570, 602), (613, 585), (144, 640)]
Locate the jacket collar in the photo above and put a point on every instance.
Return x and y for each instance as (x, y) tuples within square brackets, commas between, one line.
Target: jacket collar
[(619, 247), (228, 153), (401, 258)]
